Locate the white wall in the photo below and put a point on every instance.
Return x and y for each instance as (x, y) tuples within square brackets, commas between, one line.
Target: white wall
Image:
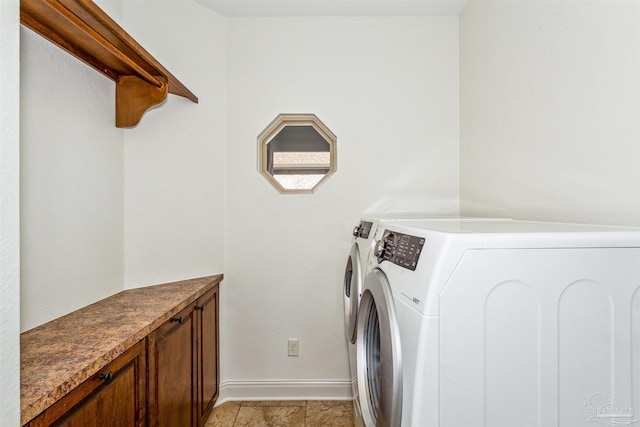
[(388, 88), (71, 184), (9, 213), (175, 158), (550, 108)]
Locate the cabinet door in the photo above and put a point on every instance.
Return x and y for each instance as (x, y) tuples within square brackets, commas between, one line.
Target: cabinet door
[(208, 348), (115, 396), (172, 362)]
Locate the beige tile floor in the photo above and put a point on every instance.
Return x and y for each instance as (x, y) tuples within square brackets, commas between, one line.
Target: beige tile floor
[(290, 413)]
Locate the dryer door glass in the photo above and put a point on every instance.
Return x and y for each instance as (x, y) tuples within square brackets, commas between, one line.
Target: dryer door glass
[(378, 354), (372, 355)]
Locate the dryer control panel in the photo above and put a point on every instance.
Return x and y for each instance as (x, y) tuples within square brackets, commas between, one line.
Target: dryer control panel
[(401, 249), (363, 229)]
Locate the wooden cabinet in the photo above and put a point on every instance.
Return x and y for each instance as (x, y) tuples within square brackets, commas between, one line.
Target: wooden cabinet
[(184, 366), (208, 360), (167, 375), (115, 396), (171, 366)]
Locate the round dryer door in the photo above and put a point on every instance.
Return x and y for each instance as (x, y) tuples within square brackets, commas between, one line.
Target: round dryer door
[(379, 354), (352, 289)]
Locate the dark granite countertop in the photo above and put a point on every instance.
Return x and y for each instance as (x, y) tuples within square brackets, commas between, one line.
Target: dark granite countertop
[(59, 355)]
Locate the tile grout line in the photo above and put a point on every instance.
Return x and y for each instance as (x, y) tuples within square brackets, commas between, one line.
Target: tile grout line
[(237, 413), (306, 410)]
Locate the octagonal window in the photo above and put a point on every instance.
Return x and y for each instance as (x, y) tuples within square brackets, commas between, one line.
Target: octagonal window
[(296, 153)]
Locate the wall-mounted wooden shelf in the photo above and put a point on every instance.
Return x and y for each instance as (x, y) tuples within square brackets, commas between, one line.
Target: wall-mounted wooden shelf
[(84, 30)]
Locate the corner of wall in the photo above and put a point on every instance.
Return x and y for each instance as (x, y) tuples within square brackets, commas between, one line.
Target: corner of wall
[(174, 159), (71, 184), (9, 212)]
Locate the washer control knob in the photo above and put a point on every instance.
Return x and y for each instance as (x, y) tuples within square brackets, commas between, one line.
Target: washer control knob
[(379, 249), (356, 231)]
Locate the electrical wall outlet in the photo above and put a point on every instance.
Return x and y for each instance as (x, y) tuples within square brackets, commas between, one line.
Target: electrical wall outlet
[(293, 347)]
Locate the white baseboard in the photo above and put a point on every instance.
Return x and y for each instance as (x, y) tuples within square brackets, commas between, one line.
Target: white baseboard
[(284, 390)]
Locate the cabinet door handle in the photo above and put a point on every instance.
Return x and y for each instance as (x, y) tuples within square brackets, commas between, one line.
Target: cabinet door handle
[(177, 319), (106, 377), (200, 307)]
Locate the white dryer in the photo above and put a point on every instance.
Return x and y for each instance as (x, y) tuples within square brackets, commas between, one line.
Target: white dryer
[(354, 275), (355, 272), (500, 324)]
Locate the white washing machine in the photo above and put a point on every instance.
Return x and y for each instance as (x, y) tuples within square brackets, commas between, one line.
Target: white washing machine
[(353, 281), (500, 324), (355, 272)]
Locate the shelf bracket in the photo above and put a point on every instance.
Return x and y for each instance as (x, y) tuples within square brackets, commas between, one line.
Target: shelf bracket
[(134, 96)]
